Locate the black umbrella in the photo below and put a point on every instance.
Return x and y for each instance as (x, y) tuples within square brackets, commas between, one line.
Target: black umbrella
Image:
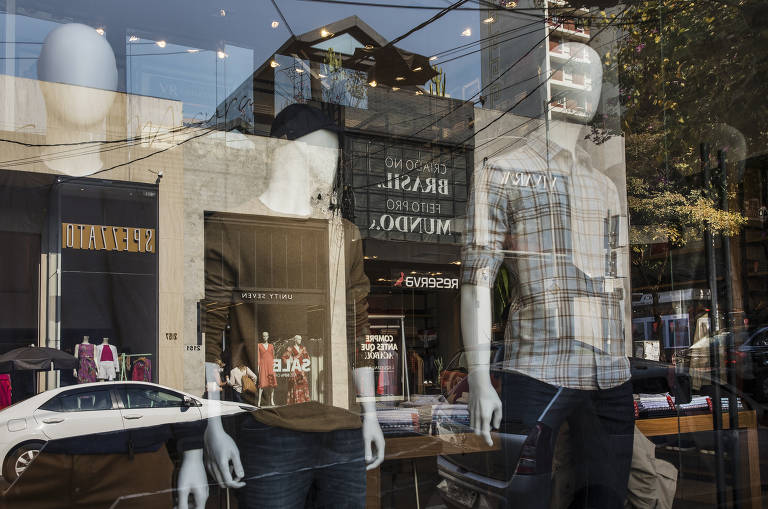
[(36, 358)]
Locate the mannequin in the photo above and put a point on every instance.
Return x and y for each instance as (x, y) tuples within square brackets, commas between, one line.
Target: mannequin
[(266, 368), (563, 243), (297, 361), (106, 361), (87, 370), (78, 77), (301, 168)]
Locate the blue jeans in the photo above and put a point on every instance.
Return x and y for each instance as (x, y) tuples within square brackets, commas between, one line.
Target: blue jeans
[(294, 469), (601, 433)]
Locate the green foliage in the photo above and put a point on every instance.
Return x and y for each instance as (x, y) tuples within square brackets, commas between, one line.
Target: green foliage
[(684, 67)]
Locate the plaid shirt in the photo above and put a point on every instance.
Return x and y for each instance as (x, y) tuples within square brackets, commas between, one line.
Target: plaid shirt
[(560, 231)]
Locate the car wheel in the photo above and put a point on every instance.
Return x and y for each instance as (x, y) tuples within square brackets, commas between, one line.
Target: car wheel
[(19, 459)]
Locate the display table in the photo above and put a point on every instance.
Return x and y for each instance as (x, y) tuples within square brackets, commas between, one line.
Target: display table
[(425, 446), (749, 452)]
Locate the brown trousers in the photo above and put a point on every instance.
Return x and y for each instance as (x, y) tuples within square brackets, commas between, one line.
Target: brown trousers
[(94, 481)]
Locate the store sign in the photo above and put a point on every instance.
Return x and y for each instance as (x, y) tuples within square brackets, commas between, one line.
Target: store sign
[(384, 348), (417, 209), (427, 281), (96, 237)]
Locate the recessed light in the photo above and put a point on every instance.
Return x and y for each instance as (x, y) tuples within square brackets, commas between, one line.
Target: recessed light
[(322, 75), (275, 24), (489, 20), (193, 50), (372, 83), (432, 58), (100, 31), (221, 54), (467, 32), (133, 38), (273, 64), (161, 44), (395, 89), (417, 69), (400, 78), (325, 33), (299, 70)]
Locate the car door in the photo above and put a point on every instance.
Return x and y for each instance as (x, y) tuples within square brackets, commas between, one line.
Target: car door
[(148, 405), (79, 412)]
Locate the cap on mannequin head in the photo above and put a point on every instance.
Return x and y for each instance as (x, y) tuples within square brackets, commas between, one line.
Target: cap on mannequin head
[(75, 54), (586, 60)]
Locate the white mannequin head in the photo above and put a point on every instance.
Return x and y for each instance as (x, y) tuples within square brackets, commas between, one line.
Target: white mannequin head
[(581, 59), (86, 339), (300, 170), (105, 341), (76, 54), (297, 339), (264, 336), (78, 78)]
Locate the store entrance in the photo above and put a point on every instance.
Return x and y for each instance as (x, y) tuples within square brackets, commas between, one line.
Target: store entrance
[(19, 289)]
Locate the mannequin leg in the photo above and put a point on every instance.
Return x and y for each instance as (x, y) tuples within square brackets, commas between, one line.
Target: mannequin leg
[(258, 402), (272, 396)]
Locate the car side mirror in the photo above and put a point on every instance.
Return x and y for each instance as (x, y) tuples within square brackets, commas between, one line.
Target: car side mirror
[(190, 402)]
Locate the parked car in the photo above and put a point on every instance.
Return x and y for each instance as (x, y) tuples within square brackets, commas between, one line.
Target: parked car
[(95, 408)]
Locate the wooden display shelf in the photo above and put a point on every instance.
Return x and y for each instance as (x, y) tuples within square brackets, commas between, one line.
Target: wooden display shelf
[(404, 448)]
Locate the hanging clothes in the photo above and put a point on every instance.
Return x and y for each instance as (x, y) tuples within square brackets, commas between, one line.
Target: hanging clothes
[(5, 391), (141, 370), (87, 371), (266, 362), (295, 357)]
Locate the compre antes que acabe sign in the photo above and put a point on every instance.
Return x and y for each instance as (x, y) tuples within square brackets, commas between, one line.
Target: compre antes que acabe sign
[(97, 237)]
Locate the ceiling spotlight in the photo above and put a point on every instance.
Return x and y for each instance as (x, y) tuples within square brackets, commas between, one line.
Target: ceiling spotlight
[(489, 20), (510, 5), (417, 69), (400, 78), (419, 92), (322, 75), (395, 89), (275, 24), (432, 58), (221, 54), (222, 13), (193, 50), (325, 33), (100, 31), (161, 44), (373, 83), (133, 38), (467, 32), (273, 63), (299, 70)]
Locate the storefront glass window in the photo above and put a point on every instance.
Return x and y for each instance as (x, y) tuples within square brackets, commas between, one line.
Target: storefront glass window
[(462, 254)]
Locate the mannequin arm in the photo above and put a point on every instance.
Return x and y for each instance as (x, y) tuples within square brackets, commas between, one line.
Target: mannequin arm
[(222, 454), (372, 434), (77, 356), (192, 479), (484, 402)]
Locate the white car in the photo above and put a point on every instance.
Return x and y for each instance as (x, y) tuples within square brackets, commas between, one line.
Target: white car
[(101, 407)]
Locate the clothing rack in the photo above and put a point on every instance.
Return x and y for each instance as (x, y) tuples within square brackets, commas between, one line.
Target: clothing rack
[(123, 357)]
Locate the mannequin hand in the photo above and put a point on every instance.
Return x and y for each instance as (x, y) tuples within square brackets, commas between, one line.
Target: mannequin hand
[(222, 457), (192, 479), (484, 405), (372, 435), (74, 372)]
